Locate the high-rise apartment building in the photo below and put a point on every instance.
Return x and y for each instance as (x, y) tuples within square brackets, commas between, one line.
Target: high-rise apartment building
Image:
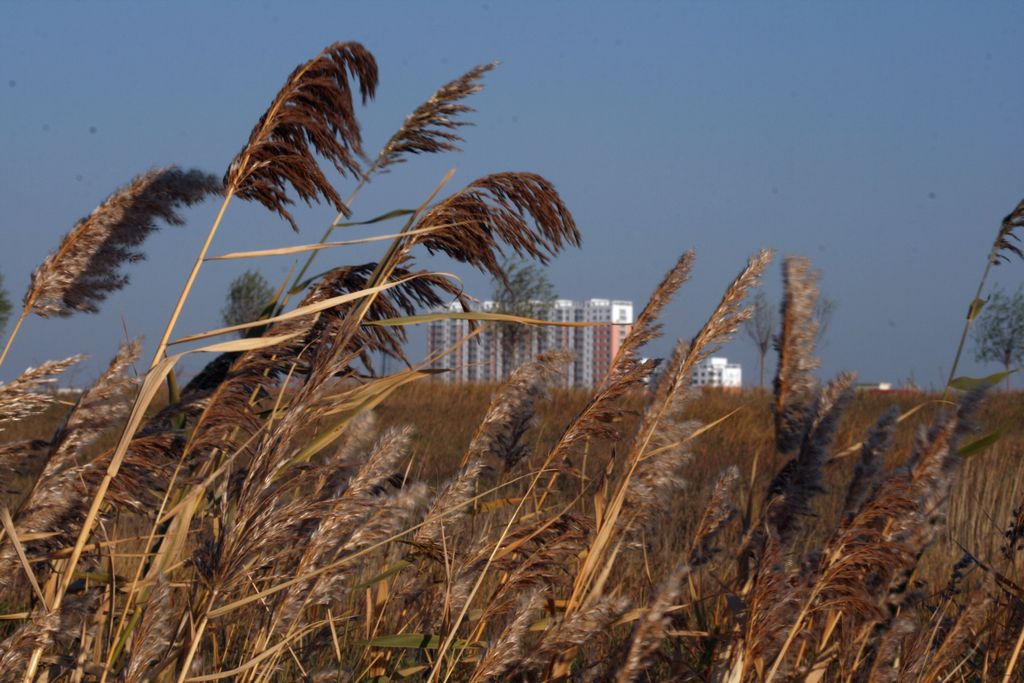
[(487, 358)]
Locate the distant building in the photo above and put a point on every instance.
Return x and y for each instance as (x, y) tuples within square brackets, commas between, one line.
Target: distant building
[(873, 386), (717, 372), (482, 358)]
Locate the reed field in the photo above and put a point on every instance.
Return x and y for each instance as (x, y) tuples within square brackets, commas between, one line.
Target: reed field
[(288, 513)]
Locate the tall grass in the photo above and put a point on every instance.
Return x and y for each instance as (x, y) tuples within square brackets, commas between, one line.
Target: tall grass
[(291, 515)]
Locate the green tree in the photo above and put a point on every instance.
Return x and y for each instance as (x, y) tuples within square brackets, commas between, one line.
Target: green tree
[(248, 295), (526, 292), (5, 305), (999, 332)]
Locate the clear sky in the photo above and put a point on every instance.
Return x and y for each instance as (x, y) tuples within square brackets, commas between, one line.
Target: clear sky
[(883, 140)]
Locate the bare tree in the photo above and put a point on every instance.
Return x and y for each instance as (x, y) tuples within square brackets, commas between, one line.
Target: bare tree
[(760, 328), (823, 311)]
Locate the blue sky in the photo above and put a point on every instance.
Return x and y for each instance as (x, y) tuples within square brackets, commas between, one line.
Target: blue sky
[(882, 140)]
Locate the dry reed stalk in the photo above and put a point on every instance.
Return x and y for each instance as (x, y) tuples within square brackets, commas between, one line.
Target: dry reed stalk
[(512, 410), (539, 556), (930, 472), (272, 512), (499, 436), (103, 404), (440, 523), (391, 515), (418, 290), (493, 210), (658, 477), (673, 390), (659, 442), (42, 631), (772, 605), (869, 467), (224, 399), (963, 636), (349, 510)]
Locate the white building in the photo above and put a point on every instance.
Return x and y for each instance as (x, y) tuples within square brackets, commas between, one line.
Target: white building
[(718, 372), (482, 359)]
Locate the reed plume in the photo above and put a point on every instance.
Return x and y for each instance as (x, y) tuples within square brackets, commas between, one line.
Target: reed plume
[(313, 111), (44, 629), (431, 127), (153, 635), (592, 622), (772, 604), (421, 290), (660, 425), (85, 269), (513, 408), (794, 380), (870, 465), (54, 500), (929, 472), (1006, 241), (99, 407), (962, 637), (21, 397), (505, 655), (800, 479), (472, 225), (651, 629), (718, 513), (449, 509), (395, 514), (598, 416)]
